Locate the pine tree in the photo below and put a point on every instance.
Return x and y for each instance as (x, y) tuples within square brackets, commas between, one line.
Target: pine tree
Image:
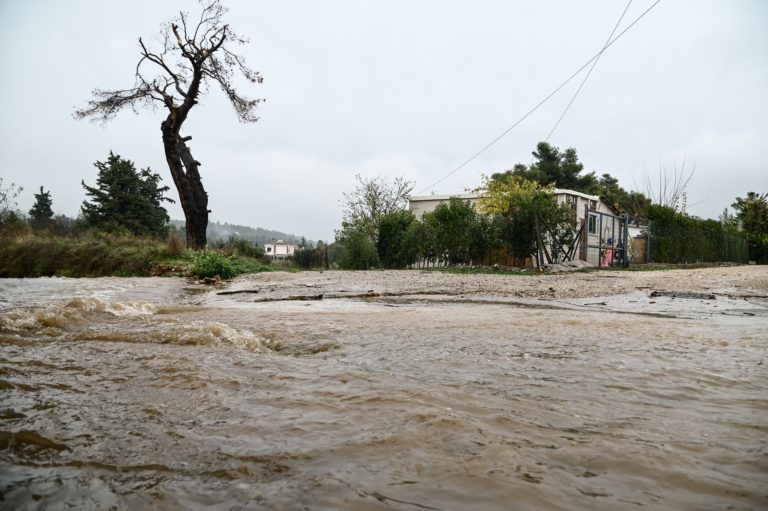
[(41, 212), (125, 199)]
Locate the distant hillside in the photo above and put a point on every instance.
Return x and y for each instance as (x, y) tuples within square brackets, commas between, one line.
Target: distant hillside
[(223, 231)]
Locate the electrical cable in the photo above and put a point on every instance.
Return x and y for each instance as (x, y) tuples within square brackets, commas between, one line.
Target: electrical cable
[(499, 137), (594, 63)]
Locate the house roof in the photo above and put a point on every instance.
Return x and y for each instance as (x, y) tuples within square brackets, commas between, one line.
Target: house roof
[(424, 198), (565, 191), (470, 196)]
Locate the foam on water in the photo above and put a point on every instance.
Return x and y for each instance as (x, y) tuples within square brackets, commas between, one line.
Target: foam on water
[(68, 313), (100, 319), (137, 399)]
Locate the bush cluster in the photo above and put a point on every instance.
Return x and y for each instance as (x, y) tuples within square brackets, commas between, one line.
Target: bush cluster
[(213, 263), (678, 238)]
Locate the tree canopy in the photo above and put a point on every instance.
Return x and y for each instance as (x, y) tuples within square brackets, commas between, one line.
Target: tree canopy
[(370, 199), (369, 202), (562, 169), (634, 204), (529, 210), (752, 214), (125, 199), (396, 244), (555, 167), (41, 211)]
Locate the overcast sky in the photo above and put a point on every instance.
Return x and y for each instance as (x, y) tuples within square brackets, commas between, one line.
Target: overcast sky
[(397, 88)]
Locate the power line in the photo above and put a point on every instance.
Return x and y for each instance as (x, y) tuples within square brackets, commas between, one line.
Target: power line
[(594, 63), (524, 117)]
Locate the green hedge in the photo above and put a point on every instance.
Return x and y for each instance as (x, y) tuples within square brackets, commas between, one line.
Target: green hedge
[(679, 238)]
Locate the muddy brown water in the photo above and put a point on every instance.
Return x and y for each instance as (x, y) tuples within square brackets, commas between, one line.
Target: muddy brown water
[(160, 394)]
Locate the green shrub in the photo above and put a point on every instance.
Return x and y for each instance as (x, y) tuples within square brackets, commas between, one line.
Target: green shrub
[(212, 263), (208, 263), (358, 252)]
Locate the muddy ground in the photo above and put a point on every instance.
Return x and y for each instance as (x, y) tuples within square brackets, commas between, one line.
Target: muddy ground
[(724, 281)]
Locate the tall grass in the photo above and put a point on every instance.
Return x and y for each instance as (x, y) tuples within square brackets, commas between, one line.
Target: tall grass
[(97, 254), (88, 256)]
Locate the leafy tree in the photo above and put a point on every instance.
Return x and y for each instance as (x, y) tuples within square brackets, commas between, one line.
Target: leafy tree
[(524, 204), (125, 199), (452, 223), (752, 213), (41, 212), (358, 252), (396, 244), (193, 57), (424, 236), (558, 227), (634, 204), (364, 207), (371, 199), (553, 167), (483, 237)]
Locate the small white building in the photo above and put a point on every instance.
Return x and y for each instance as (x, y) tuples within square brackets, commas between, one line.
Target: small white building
[(601, 225), (279, 250)]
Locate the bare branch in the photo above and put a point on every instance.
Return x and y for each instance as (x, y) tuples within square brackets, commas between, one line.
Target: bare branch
[(106, 104), (672, 185), (190, 59), (156, 59)]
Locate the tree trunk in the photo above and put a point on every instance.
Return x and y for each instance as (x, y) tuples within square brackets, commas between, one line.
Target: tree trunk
[(186, 177)]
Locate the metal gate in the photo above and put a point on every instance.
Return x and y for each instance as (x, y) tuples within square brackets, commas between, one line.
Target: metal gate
[(612, 238)]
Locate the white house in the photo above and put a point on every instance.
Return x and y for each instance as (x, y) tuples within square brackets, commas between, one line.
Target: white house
[(601, 226), (279, 250)]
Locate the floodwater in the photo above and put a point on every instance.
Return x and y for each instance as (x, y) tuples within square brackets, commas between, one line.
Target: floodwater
[(160, 394)]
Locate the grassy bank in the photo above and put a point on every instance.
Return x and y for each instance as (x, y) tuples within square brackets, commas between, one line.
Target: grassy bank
[(100, 255)]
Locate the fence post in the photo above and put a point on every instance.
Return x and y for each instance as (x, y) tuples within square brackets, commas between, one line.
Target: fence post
[(600, 243), (585, 241), (625, 252), (648, 243)]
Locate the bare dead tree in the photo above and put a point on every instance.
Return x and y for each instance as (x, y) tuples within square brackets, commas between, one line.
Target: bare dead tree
[(672, 185), (194, 54)]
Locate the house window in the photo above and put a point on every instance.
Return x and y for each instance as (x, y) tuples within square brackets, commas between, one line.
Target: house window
[(592, 228), (593, 204)]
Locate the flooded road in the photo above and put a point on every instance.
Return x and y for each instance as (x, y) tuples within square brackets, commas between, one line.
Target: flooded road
[(161, 394)]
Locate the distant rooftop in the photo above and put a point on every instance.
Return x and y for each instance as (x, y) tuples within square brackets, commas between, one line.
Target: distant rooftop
[(470, 196)]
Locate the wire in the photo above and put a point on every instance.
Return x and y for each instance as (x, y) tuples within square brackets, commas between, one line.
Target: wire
[(499, 137), (594, 63)]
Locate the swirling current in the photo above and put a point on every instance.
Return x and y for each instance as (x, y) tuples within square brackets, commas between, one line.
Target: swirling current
[(164, 394)]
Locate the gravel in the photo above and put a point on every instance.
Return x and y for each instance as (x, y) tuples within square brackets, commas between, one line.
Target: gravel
[(735, 281)]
